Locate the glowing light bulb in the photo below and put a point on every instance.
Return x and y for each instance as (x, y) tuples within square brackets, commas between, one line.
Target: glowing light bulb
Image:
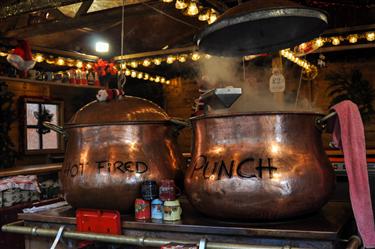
[(204, 15), (39, 58), (213, 17), (167, 1), (170, 59), (181, 4), (3, 54), (157, 61), (335, 41), (88, 66), (192, 8), (157, 79), (50, 60), (319, 42), (182, 58), (127, 72), (146, 76), (195, 56), (146, 63), (102, 47), (140, 75), (133, 74), (370, 36), (168, 82), (302, 46), (134, 64), (123, 65), (162, 80), (79, 64), (353, 38), (60, 61), (152, 79)]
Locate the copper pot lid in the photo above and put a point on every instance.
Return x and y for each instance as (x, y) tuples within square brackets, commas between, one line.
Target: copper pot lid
[(129, 109), (259, 26)]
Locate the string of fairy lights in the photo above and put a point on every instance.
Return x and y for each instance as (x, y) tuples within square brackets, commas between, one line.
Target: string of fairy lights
[(82, 66), (193, 8), (338, 39), (128, 66)]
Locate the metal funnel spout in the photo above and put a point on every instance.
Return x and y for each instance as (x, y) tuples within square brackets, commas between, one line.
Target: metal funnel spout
[(221, 98)]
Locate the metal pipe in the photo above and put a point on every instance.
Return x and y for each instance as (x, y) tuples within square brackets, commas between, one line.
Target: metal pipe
[(354, 242), (16, 227), (321, 123)]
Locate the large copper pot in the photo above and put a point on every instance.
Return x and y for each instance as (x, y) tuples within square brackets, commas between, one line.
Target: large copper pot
[(258, 166), (112, 147)]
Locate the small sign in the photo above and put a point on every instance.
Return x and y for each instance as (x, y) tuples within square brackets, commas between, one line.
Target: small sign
[(277, 83)]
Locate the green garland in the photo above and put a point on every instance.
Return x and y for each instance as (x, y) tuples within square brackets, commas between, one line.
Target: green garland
[(7, 116)]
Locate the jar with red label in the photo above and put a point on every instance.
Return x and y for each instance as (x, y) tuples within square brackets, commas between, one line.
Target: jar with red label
[(142, 209), (168, 191)]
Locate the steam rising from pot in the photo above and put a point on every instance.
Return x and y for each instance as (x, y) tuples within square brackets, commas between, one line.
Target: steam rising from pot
[(253, 77)]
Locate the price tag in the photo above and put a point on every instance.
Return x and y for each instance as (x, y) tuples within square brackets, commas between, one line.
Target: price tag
[(277, 83)]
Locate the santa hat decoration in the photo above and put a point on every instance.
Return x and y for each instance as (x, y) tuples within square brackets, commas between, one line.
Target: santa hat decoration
[(109, 94), (21, 57)]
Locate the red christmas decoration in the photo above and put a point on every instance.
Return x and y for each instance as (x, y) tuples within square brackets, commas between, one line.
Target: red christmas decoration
[(105, 68), (21, 57)]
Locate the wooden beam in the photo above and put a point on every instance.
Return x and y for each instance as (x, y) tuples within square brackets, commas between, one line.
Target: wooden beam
[(85, 6), (28, 6), (69, 54), (155, 53), (170, 16), (58, 14), (370, 27), (91, 19)]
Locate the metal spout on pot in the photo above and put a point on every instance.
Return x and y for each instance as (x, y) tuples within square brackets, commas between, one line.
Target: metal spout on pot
[(321, 123), (55, 128), (221, 98), (179, 124)]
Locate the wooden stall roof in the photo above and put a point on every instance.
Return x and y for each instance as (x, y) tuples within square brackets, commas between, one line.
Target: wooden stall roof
[(150, 25)]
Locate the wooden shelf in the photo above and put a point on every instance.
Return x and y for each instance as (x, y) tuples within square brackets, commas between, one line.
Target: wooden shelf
[(340, 153), (31, 169), (51, 83)]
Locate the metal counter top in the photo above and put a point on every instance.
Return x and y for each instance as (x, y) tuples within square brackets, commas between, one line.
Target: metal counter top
[(327, 224)]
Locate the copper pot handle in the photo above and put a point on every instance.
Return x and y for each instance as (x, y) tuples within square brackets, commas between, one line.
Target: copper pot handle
[(55, 128), (321, 123), (179, 123)]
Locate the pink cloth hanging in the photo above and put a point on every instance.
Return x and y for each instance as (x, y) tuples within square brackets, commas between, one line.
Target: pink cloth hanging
[(348, 134)]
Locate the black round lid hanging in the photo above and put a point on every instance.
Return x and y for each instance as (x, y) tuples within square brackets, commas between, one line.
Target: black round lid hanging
[(260, 26)]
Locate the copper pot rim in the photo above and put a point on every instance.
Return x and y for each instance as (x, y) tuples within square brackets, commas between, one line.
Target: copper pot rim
[(256, 113), (122, 123)]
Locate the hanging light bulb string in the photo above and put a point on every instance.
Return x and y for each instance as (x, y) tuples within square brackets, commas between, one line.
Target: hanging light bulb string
[(193, 8), (338, 39)]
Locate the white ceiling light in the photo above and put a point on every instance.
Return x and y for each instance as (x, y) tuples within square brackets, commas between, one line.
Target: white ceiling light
[(102, 47)]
